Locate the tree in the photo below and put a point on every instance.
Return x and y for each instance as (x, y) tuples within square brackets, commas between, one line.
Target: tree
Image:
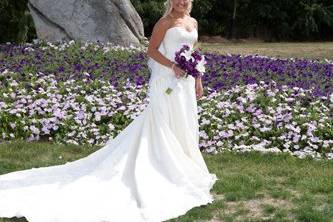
[(16, 24), (312, 15), (233, 20)]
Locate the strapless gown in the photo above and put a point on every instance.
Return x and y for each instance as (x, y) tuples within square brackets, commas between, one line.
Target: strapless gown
[(151, 171)]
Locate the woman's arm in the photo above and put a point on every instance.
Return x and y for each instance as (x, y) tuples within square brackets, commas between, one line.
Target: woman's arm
[(198, 79), (155, 40), (196, 26)]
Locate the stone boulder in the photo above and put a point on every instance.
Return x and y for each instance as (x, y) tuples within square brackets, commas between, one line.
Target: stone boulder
[(114, 21)]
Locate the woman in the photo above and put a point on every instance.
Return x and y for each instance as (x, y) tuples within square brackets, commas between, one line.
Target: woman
[(176, 14), (152, 171)]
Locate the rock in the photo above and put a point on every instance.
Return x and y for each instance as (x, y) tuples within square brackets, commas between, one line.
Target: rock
[(114, 21)]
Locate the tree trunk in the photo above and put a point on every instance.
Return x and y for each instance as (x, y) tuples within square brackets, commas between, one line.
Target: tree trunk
[(233, 21)]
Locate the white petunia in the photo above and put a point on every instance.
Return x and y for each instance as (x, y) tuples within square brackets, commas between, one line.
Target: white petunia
[(201, 65), (187, 55)]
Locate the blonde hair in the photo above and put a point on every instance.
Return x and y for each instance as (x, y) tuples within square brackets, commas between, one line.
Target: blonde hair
[(168, 7)]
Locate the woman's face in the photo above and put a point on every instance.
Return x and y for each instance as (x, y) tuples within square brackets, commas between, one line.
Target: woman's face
[(180, 5)]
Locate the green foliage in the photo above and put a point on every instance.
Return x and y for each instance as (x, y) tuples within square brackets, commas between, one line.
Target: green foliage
[(313, 15), (16, 24), (150, 12), (264, 19), (204, 11)]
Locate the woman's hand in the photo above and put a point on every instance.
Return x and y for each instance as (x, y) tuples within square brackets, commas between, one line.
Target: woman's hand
[(198, 88), (178, 71)]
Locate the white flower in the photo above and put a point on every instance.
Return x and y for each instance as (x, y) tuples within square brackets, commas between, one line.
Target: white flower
[(187, 55), (219, 143), (201, 65)]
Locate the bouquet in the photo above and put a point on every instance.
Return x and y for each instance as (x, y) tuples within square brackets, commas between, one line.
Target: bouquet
[(191, 61)]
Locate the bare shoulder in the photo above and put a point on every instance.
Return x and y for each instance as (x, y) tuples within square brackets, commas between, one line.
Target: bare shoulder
[(194, 22), (158, 32), (163, 23)]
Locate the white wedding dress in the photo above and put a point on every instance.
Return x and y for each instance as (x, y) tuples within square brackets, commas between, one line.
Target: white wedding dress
[(152, 171)]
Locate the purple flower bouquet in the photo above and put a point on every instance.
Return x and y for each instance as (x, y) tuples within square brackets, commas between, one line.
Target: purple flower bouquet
[(191, 61)]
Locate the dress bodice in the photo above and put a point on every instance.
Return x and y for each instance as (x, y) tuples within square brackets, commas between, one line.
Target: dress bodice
[(173, 41), (174, 38)]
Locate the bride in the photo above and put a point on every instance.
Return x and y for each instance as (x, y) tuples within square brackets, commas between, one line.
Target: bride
[(151, 172)]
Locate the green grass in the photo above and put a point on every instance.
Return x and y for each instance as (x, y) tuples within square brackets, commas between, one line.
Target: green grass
[(310, 50), (251, 186)]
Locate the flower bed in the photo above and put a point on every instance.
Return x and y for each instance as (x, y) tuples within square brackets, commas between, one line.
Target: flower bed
[(117, 64), (86, 94), (266, 118)]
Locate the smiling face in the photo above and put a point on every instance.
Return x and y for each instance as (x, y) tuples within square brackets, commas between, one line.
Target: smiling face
[(180, 6)]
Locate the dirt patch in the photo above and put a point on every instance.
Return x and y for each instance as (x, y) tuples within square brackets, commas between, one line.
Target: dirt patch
[(254, 208), (218, 196), (295, 193)]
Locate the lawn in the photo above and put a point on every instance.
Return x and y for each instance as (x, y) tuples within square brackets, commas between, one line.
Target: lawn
[(251, 187), (309, 50)]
